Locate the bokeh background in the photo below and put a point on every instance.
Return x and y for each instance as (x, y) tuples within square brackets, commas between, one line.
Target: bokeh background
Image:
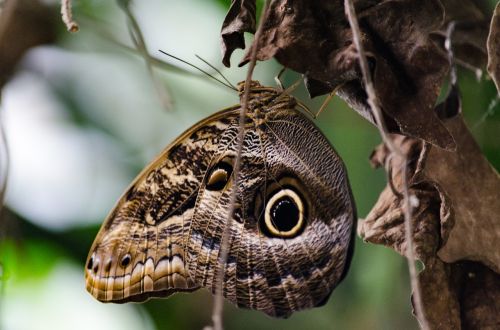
[(83, 116)]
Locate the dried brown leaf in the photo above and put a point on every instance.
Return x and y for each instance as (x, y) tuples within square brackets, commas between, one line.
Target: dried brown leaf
[(494, 48), (469, 35), (470, 190), (385, 222), (408, 67), (463, 295), (239, 19), (385, 225), (441, 302), (480, 295), (455, 295), (457, 214)]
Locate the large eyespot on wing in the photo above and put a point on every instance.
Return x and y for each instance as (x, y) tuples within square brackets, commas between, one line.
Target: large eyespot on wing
[(285, 211), (293, 260), (312, 255), (139, 250), (284, 214)]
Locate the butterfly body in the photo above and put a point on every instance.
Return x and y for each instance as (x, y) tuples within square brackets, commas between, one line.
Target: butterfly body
[(291, 237)]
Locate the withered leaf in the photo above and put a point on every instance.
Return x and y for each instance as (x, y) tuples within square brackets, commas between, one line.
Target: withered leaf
[(458, 203), (385, 222), (469, 190), (471, 187), (385, 225), (479, 288), (454, 295), (469, 34), (494, 48), (408, 67), (239, 19), (463, 295)]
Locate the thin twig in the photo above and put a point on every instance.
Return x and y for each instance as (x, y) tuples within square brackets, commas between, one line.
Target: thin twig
[(224, 246), (489, 112), (67, 16), (139, 42), (377, 112), (453, 73), (102, 32), (388, 170), (447, 45)]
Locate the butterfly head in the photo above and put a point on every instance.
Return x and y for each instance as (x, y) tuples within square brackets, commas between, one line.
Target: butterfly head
[(265, 98)]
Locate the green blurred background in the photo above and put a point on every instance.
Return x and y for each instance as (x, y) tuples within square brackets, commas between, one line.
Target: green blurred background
[(83, 117)]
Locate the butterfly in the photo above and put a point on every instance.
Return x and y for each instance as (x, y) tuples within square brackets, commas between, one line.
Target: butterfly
[(291, 237)]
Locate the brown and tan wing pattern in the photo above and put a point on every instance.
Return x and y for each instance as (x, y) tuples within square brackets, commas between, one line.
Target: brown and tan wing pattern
[(277, 275), (139, 251), (291, 237)]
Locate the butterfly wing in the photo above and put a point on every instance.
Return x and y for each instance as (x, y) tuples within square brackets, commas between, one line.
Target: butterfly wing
[(139, 250), (290, 238), (288, 170)]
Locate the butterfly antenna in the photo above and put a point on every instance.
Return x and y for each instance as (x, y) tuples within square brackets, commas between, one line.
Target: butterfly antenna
[(199, 69), (215, 69)]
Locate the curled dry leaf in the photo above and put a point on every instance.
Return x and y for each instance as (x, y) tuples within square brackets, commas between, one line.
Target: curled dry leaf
[(408, 67), (494, 48), (470, 190), (385, 222), (385, 225), (456, 220), (239, 19)]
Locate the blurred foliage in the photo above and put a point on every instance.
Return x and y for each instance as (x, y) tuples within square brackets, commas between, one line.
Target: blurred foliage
[(102, 89)]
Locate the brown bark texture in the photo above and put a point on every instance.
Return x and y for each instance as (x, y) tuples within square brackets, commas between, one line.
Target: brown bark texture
[(455, 191)]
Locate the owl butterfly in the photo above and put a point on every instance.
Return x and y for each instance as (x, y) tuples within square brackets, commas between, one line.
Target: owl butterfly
[(291, 238)]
